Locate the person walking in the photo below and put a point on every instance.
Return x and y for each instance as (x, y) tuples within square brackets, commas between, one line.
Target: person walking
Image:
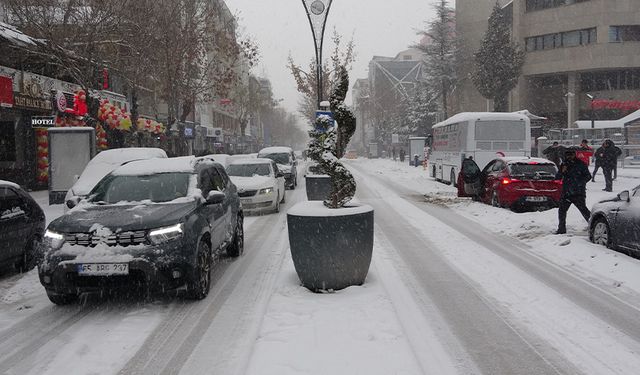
[(598, 161), (553, 153), (609, 161), (585, 152), (416, 160), (575, 175), (402, 155), (393, 152)]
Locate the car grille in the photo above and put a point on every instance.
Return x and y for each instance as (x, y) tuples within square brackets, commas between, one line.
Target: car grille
[(248, 193), (116, 239)]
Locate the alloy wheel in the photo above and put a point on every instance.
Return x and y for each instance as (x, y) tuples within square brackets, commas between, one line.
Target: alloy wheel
[(601, 233)]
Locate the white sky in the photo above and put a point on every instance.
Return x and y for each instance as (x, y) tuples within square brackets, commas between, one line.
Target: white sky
[(379, 27)]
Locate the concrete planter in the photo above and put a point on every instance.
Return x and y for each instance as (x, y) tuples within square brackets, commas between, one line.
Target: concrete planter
[(318, 186), (331, 248)]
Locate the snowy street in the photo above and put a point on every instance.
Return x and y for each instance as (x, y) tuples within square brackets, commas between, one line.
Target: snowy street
[(455, 287)]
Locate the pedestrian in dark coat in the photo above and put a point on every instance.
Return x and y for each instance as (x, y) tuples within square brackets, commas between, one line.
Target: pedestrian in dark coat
[(402, 155), (598, 162), (554, 153), (575, 175), (608, 160)]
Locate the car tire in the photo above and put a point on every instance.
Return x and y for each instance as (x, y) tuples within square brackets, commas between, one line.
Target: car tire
[(28, 261), (201, 283), (62, 299), (495, 200), (237, 246), (601, 233)]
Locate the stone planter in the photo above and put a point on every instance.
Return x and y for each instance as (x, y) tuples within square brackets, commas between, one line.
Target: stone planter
[(331, 248), (318, 186)]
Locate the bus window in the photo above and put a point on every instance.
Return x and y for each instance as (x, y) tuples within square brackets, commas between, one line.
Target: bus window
[(500, 130), (500, 146), (516, 146), (483, 146)]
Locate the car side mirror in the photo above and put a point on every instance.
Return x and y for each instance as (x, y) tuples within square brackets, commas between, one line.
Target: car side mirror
[(72, 202), (624, 196), (215, 197)]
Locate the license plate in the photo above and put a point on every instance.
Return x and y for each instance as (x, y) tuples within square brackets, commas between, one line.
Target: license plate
[(536, 199), (103, 269), (246, 200)]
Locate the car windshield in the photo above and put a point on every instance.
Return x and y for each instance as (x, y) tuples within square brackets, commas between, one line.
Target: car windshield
[(280, 158), (157, 188), (533, 170), (248, 170)]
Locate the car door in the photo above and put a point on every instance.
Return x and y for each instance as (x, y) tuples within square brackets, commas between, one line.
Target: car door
[(470, 179), (492, 180), (213, 212), (279, 179), (220, 184), (14, 224), (628, 222)]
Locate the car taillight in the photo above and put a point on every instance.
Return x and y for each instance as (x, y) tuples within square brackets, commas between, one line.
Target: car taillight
[(559, 182), (507, 181)]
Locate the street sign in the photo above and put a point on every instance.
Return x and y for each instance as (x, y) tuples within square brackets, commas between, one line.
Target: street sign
[(324, 113)]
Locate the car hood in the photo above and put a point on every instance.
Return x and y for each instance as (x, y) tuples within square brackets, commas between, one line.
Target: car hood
[(252, 183), (122, 217)]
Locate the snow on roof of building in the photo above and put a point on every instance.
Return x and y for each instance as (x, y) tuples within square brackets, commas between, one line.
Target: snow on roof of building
[(530, 115), (16, 36), (603, 124)]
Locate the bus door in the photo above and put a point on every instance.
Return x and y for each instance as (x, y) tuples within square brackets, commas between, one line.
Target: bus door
[(470, 182)]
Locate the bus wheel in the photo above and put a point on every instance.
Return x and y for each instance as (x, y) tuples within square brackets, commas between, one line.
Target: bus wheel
[(452, 178)]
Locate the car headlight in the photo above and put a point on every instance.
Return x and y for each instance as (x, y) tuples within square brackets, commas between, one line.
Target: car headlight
[(53, 239), (160, 235), (268, 190)]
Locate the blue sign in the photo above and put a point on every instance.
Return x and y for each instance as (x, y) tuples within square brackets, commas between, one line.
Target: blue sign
[(324, 113)]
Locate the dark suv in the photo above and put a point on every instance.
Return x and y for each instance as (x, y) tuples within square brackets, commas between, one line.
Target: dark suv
[(21, 227), (154, 223)]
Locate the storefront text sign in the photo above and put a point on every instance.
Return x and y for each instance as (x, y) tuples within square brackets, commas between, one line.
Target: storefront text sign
[(625, 105), (32, 103)]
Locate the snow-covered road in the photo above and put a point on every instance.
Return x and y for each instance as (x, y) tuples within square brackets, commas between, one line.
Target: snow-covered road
[(446, 294)]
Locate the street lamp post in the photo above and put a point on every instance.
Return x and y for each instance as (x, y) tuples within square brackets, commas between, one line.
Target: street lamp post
[(593, 119), (317, 12)]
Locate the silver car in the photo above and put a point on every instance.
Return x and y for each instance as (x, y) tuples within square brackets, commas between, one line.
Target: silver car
[(615, 223)]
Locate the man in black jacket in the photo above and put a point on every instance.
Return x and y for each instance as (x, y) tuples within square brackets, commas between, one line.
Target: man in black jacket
[(575, 175), (608, 155)]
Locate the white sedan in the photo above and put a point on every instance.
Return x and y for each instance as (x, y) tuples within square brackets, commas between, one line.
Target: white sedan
[(260, 184)]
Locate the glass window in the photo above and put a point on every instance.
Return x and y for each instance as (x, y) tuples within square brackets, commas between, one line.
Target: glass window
[(549, 41), (248, 170), (531, 170), (280, 158), (516, 146), (500, 146), (483, 146), (500, 130), (571, 39), (162, 187), (218, 181), (7, 141)]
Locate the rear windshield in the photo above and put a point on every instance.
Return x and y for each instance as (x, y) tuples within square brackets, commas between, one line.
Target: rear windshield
[(545, 171), (248, 170), (280, 158)]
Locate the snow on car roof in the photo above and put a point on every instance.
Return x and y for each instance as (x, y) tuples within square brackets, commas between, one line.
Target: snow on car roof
[(122, 155), (275, 150), (156, 165), (251, 161), (467, 116), (9, 183)]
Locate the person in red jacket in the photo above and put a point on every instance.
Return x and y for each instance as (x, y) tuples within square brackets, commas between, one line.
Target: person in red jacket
[(584, 152)]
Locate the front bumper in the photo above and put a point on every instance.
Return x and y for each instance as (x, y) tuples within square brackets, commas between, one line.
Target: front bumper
[(257, 203), (153, 268)]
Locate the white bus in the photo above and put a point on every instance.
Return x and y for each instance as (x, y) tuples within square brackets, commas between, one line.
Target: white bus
[(481, 135)]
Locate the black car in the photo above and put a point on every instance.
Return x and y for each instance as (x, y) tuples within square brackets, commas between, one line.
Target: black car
[(615, 223), (155, 224), (286, 160), (22, 225)]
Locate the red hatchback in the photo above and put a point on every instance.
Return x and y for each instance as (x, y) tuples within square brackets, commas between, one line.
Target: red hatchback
[(518, 183)]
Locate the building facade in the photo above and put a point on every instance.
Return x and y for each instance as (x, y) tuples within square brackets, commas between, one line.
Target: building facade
[(582, 57)]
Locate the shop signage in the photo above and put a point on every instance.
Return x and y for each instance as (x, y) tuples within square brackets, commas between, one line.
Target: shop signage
[(6, 91), (60, 101), (625, 105), (32, 103), (43, 121)]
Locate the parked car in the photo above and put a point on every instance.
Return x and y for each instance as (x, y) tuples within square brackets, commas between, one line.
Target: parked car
[(517, 183), (152, 223), (286, 160), (260, 184), (100, 166), (22, 223), (615, 223)]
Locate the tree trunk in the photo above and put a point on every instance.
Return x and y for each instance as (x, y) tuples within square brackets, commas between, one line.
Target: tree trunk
[(501, 103)]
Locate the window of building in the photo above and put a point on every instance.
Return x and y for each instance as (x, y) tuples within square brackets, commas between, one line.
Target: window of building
[(627, 33), (7, 141), (533, 5), (564, 39), (611, 80)]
